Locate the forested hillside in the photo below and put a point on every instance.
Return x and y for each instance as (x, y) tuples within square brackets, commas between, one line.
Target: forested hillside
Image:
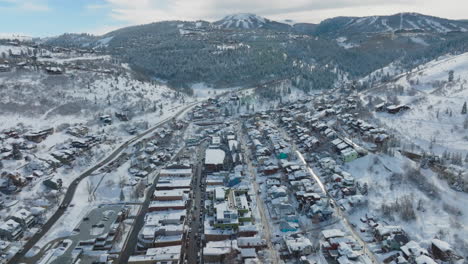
[(245, 49)]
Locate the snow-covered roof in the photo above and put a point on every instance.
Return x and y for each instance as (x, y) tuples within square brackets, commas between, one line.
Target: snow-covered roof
[(329, 233), (295, 244), (423, 259), (385, 230), (168, 193), (413, 249), (214, 156), (22, 214), (176, 172), (442, 245), (174, 183), (10, 225)]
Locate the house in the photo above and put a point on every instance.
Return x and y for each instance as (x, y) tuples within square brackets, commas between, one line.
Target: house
[(423, 259), (55, 184), (123, 116), (7, 186), (380, 107), (54, 70), (346, 249), (4, 68), (276, 192), (251, 242), (106, 119), (381, 233), (226, 217), (24, 217), (332, 233), (39, 136), (443, 251), (11, 230), (78, 130), (349, 155), (394, 109)]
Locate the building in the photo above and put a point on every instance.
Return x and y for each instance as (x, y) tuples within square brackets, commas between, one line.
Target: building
[(214, 159), (11, 230), (225, 217), (174, 183), (218, 251), (167, 255), (168, 195), (24, 217), (166, 205), (298, 245), (349, 154), (176, 170)]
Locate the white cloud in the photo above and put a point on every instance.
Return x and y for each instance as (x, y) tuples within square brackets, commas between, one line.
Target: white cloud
[(145, 11)]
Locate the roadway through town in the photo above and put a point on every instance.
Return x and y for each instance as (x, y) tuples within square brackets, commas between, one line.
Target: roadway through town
[(70, 193), (275, 258), (338, 211), (193, 243)]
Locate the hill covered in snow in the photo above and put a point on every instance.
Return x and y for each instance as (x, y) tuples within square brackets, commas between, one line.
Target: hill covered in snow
[(435, 92)]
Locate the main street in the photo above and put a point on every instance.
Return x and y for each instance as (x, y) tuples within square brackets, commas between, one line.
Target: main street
[(132, 238), (70, 193), (193, 243)]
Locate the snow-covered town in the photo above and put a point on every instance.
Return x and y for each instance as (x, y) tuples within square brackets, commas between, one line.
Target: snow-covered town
[(104, 159)]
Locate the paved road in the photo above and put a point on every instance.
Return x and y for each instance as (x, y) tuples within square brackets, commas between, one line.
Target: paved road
[(339, 212), (197, 221), (260, 204), (74, 184)]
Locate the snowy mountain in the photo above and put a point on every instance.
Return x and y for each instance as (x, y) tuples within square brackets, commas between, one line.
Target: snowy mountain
[(398, 23), (184, 52), (250, 21)]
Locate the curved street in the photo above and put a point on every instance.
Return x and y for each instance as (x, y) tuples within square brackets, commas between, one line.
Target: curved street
[(74, 184)]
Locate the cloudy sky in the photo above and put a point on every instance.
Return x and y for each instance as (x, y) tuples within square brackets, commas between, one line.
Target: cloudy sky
[(53, 17)]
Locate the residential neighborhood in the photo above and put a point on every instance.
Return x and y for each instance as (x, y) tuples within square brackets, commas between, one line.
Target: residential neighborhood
[(108, 155)]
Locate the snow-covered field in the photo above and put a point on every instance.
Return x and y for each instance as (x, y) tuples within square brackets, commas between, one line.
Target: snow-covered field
[(436, 105), (439, 213)]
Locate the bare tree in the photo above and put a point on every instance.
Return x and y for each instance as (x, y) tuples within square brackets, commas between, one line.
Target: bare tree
[(90, 189)]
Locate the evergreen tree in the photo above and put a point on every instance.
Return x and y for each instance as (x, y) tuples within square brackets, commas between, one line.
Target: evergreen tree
[(122, 196), (463, 112), (450, 78), (17, 155)]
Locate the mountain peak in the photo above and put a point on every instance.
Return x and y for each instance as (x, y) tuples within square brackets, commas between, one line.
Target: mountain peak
[(242, 20), (401, 22)]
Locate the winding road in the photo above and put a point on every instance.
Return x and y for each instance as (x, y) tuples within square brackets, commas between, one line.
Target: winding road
[(74, 184)]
